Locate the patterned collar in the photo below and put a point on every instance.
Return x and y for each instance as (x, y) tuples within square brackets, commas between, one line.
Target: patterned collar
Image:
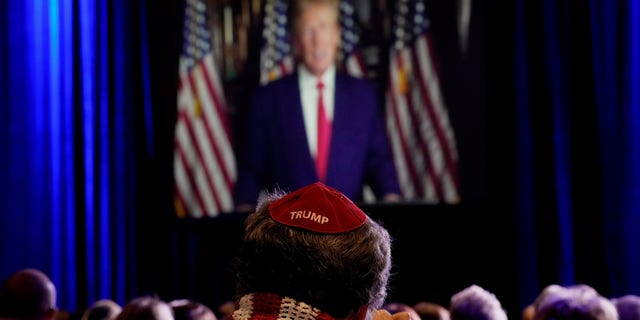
[(266, 306)]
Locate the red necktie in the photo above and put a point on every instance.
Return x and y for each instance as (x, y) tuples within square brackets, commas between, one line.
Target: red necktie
[(324, 136)]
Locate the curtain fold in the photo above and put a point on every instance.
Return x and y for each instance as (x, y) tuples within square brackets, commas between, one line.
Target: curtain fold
[(616, 60), (576, 81), (68, 104)]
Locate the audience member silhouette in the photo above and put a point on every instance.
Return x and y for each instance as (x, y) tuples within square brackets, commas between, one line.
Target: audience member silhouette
[(431, 311), (578, 302), (146, 308), (476, 303), (186, 309), (28, 294), (628, 307), (395, 307), (528, 312), (104, 309), (226, 309), (312, 254)]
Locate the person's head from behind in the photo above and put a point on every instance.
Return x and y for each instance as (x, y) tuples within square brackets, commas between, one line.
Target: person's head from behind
[(529, 311), (225, 310), (104, 309), (28, 294), (575, 303), (146, 308), (186, 309), (628, 307), (476, 303), (431, 311), (316, 246), (395, 307), (315, 33)]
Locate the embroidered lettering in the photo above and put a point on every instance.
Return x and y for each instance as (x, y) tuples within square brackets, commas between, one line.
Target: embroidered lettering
[(309, 215)]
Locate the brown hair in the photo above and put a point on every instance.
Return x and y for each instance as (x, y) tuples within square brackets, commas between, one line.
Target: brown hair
[(337, 273)]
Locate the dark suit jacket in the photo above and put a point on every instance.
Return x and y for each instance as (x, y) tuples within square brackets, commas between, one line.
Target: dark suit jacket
[(274, 153)]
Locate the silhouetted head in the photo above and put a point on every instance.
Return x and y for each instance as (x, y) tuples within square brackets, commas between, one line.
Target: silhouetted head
[(476, 303), (395, 307), (186, 309), (628, 307), (431, 311), (577, 302), (146, 308), (104, 309), (28, 294)]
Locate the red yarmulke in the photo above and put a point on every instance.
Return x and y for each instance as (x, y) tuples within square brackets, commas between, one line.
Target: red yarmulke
[(318, 208)]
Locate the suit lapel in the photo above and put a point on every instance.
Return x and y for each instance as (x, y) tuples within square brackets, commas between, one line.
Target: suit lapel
[(339, 116), (295, 123)]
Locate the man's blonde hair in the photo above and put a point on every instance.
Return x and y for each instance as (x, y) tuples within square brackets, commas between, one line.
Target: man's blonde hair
[(299, 6)]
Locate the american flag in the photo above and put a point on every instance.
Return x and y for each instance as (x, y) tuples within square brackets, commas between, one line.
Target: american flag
[(275, 55), (204, 164), (351, 54), (421, 136)]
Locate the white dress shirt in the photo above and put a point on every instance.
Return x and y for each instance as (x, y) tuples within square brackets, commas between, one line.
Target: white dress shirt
[(307, 83)]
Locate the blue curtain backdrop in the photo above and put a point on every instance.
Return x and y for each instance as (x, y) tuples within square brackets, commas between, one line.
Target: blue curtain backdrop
[(85, 156), (67, 175), (575, 84)]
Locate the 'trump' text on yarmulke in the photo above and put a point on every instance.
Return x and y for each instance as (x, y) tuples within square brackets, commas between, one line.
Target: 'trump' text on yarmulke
[(309, 215), (318, 208)]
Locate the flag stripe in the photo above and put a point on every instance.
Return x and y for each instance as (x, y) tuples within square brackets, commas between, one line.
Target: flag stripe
[(425, 155), (197, 164), (214, 86), (405, 164), (430, 87), (204, 163), (197, 134), (215, 131), (185, 182), (423, 131), (412, 121)]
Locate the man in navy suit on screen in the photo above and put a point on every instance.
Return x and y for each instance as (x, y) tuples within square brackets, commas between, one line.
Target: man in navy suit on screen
[(316, 124)]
